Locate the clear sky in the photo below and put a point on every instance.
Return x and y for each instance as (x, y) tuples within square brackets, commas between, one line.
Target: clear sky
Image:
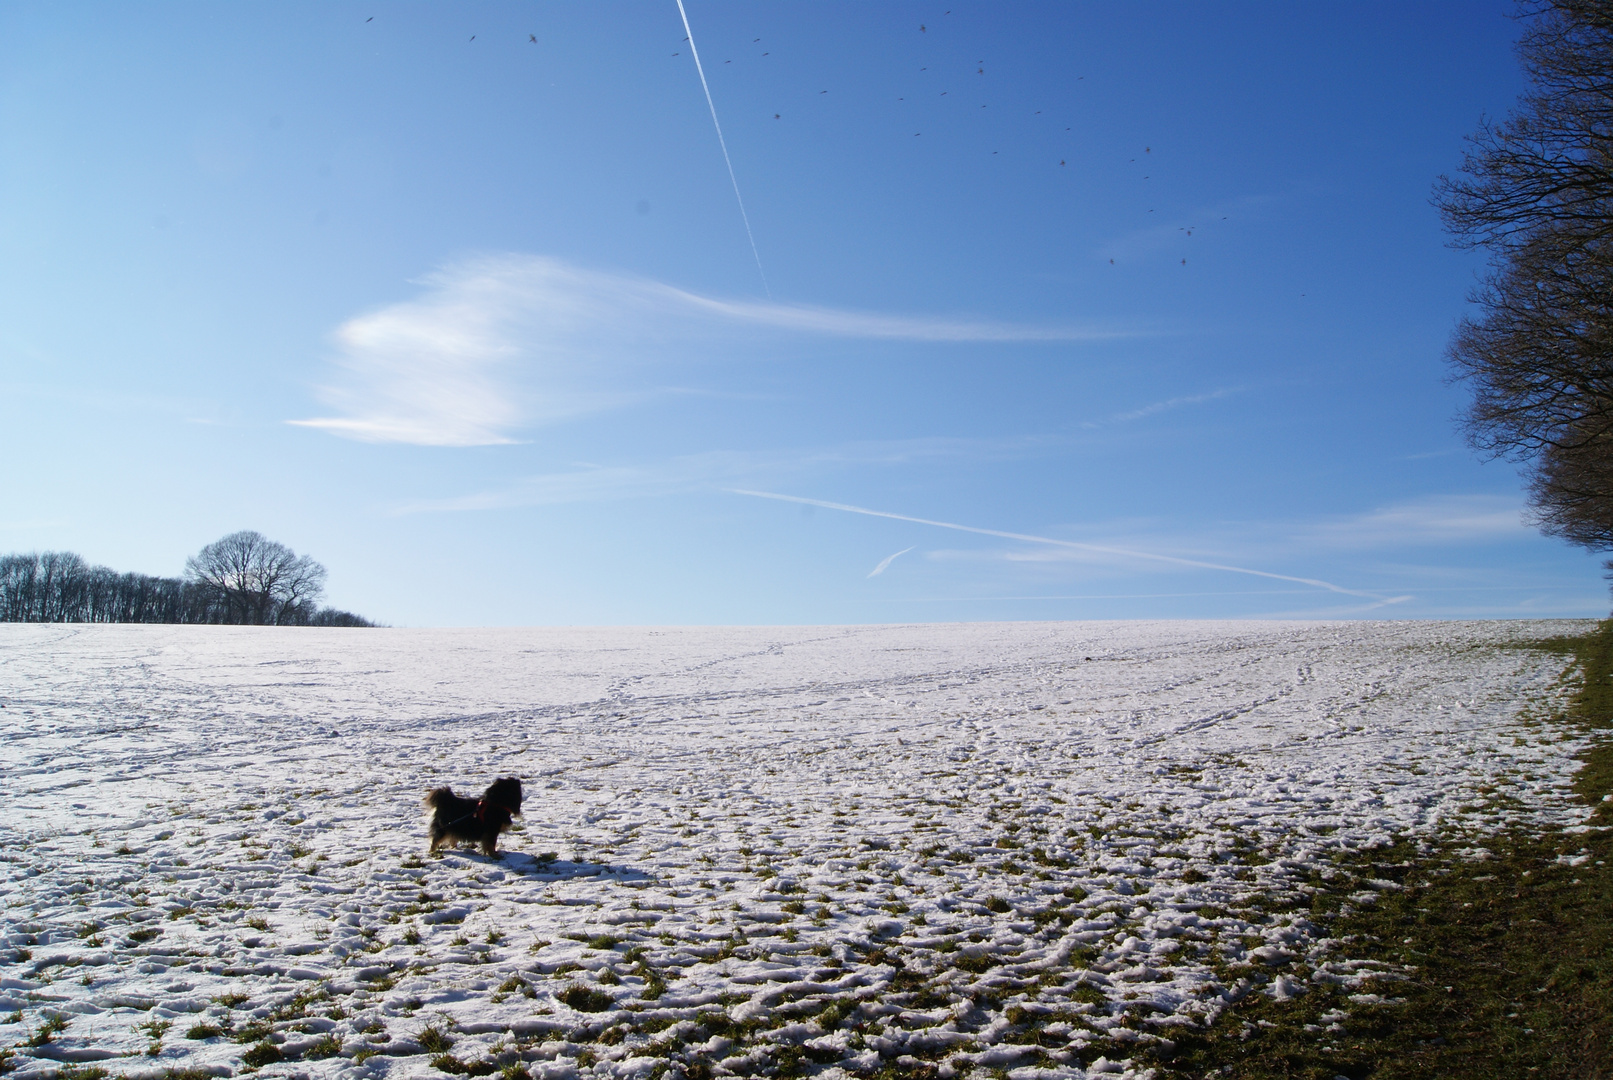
[(458, 299)]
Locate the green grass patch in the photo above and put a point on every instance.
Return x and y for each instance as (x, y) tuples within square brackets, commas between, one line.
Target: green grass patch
[(329, 1045), (585, 998), (53, 1026), (83, 1072), (264, 1053), (252, 1032), (433, 1041), (1503, 966)]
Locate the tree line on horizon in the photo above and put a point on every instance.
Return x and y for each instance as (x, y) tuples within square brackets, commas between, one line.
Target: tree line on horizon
[(244, 579)]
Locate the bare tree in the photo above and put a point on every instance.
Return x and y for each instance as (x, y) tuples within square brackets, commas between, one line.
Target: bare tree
[(242, 578), (62, 580), (19, 576), (255, 580), (1537, 193)]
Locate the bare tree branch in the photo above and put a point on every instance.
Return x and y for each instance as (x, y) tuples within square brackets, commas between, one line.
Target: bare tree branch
[(1537, 193)]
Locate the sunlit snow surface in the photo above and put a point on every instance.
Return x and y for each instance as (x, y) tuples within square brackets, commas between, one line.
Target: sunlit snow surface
[(969, 839)]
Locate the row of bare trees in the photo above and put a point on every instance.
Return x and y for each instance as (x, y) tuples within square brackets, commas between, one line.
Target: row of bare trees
[(1537, 194), (243, 579)]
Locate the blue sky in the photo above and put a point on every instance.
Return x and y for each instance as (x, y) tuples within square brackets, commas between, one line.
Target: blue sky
[(458, 300)]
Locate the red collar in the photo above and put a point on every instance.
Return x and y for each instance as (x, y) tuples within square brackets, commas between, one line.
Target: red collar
[(485, 808)]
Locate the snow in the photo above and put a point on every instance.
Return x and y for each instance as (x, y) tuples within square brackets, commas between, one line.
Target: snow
[(938, 833)]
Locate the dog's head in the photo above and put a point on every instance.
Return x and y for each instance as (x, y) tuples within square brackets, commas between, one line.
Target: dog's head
[(505, 792)]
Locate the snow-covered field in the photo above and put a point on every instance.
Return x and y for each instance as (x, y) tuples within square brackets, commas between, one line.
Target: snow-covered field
[(1029, 847)]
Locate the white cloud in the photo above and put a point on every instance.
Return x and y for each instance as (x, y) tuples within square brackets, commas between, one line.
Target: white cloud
[(1432, 519), (1163, 406), (855, 324), (884, 564), (498, 343), (1072, 545), (1439, 521), (711, 470), (586, 483)]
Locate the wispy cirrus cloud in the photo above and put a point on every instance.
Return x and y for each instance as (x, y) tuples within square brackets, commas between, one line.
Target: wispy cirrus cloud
[(1449, 533), (498, 343), (1432, 519), (586, 482), (885, 563), (1156, 407), (1072, 545)]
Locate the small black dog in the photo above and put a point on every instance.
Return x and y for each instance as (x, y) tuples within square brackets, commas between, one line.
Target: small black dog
[(474, 821)]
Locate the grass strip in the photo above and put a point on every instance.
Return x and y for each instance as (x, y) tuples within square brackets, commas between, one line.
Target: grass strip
[(1505, 965)]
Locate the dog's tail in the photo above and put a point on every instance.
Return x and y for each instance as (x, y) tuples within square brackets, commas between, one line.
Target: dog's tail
[(437, 796)]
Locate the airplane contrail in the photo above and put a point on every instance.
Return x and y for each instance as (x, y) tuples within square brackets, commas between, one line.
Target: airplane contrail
[(1315, 582), (886, 561), (694, 52)]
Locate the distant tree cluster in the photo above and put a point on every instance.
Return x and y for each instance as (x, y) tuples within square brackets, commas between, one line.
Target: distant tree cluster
[(1537, 193), (244, 579)]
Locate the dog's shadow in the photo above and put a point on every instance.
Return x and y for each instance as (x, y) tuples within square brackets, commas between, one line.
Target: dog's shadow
[(548, 868)]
